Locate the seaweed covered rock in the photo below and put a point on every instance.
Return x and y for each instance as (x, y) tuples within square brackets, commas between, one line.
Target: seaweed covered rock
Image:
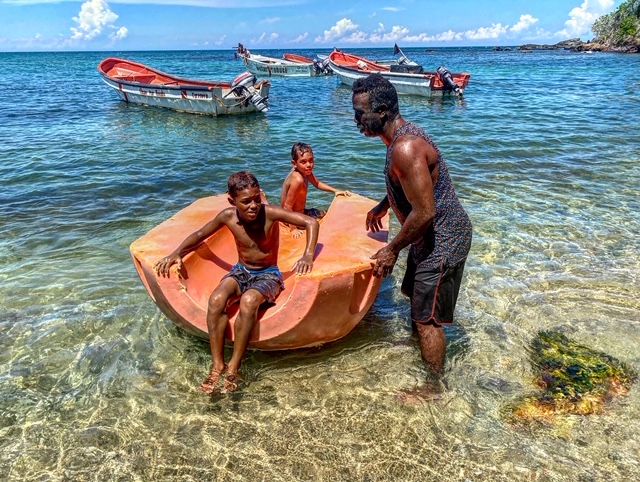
[(575, 379)]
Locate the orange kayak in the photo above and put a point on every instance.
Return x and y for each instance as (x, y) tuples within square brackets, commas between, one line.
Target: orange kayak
[(313, 309)]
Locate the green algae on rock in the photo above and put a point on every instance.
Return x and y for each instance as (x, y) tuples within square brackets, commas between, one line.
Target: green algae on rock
[(575, 379)]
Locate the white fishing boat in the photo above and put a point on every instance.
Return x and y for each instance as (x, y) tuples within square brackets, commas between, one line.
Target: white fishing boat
[(139, 84), (407, 78), (399, 59), (286, 67)]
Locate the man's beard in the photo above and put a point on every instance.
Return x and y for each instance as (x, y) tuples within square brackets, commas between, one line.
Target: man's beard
[(371, 124)]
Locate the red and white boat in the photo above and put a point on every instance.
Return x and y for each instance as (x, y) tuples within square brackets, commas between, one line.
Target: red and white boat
[(140, 84), (407, 77)]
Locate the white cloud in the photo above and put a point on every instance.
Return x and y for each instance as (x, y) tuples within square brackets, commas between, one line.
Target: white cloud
[(300, 38), (338, 30), (271, 20), (119, 34), (448, 36), (93, 18), (397, 33), (581, 18), (345, 31), (392, 9), (482, 33), (266, 38), (524, 23), (355, 38)]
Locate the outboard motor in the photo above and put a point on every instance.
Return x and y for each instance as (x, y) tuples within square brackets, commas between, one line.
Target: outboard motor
[(322, 67), (317, 66), (447, 80), (245, 83), (326, 68)]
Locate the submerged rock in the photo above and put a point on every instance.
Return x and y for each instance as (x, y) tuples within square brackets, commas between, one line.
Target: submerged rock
[(575, 379)]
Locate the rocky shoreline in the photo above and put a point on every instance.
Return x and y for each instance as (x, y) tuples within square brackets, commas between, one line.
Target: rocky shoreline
[(578, 45)]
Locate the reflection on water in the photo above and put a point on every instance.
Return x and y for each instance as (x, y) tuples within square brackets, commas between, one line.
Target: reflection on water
[(96, 384)]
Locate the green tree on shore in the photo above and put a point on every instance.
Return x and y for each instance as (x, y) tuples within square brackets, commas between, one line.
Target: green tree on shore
[(619, 28)]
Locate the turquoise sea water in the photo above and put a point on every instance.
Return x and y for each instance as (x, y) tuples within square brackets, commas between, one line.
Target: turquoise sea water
[(97, 384)]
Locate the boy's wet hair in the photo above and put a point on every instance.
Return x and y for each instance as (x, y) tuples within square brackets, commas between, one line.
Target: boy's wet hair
[(380, 91), (239, 181), (298, 149)]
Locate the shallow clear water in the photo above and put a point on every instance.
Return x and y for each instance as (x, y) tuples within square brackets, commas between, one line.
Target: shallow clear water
[(96, 384)]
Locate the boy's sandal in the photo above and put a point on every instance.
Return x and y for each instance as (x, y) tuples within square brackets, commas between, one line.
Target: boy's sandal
[(230, 384), (211, 382)]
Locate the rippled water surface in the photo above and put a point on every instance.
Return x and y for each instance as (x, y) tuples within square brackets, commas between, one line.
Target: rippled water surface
[(97, 384)]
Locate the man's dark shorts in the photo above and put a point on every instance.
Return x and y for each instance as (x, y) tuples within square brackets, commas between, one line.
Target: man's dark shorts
[(433, 293), (268, 281)]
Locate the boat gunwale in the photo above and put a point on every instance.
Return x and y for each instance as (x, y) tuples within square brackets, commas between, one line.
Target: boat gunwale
[(166, 86), (193, 84), (384, 73), (276, 61)]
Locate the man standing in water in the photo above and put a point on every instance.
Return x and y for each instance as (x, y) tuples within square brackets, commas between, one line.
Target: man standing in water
[(433, 222)]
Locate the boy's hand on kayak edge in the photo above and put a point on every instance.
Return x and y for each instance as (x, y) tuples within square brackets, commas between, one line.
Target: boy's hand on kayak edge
[(163, 265), (303, 265)]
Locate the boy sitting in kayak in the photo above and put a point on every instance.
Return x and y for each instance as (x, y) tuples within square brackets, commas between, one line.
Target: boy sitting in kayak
[(296, 184), (255, 279)]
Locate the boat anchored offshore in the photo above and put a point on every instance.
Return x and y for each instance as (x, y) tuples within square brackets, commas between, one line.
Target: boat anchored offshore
[(140, 84), (406, 77), (318, 307), (291, 65)]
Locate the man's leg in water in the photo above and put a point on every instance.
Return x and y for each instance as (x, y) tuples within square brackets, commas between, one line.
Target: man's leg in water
[(433, 346)]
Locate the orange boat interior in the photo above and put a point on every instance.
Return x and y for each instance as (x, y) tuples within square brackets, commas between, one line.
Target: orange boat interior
[(353, 61), (297, 58), (120, 69)]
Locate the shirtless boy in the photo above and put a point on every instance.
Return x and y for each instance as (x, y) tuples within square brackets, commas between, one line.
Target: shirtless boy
[(296, 184), (255, 279)]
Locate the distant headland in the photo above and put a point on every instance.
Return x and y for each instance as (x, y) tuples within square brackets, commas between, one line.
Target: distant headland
[(577, 45), (617, 31)]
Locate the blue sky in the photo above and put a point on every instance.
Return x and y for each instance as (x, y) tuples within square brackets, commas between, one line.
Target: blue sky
[(70, 25)]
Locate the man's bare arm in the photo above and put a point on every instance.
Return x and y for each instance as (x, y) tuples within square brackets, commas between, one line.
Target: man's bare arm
[(411, 166), (373, 222), (412, 169)]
